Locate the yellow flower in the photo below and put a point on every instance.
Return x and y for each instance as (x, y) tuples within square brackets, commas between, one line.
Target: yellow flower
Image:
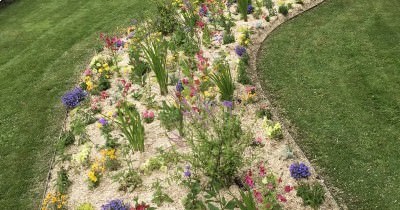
[(92, 176)]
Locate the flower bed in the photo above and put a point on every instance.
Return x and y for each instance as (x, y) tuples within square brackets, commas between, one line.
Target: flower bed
[(168, 117)]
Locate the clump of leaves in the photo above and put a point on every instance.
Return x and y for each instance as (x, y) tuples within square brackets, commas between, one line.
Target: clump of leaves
[(63, 182), (243, 77), (128, 180), (223, 80), (159, 197), (67, 138), (283, 9), (165, 21), (170, 116), (312, 194)]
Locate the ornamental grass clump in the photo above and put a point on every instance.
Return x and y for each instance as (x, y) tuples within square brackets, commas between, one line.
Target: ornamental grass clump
[(128, 120), (155, 53), (299, 171), (222, 78), (73, 98)]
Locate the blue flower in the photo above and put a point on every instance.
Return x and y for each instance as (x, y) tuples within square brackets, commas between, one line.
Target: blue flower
[(228, 104), (103, 121), (179, 87), (116, 204), (298, 171), (73, 98), (240, 50), (187, 172), (250, 9)]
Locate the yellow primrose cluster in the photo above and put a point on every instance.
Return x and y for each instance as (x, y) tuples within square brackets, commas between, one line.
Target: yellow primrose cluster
[(83, 156), (95, 172), (244, 37), (98, 166), (54, 201), (274, 130)]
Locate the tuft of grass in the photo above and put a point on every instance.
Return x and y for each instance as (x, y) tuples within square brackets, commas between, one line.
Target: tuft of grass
[(44, 45), (339, 85)]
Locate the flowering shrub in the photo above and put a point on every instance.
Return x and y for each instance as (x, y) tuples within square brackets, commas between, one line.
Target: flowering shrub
[(73, 98), (299, 171)]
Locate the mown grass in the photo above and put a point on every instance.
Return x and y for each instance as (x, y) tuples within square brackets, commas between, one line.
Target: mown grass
[(334, 72), (44, 44)]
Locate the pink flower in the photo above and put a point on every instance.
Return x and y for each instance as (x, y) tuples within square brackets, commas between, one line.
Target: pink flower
[(258, 196), (88, 72), (185, 81), (281, 198), (249, 181), (288, 188), (261, 170)]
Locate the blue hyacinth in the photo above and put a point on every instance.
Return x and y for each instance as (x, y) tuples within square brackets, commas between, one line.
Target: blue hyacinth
[(298, 171), (73, 98), (250, 9)]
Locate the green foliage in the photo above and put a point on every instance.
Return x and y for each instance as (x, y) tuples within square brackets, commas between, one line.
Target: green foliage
[(243, 78), (165, 20), (269, 4), (247, 200), (85, 206), (283, 9), (228, 38), (242, 6), (159, 197), (192, 199), (217, 145), (128, 180), (67, 138), (140, 68), (128, 120), (264, 112), (155, 50), (171, 117), (222, 78), (312, 195), (62, 182)]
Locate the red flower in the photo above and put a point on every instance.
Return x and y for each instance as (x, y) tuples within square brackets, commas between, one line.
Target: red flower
[(281, 198), (249, 181), (261, 170), (288, 188), (258, 196)]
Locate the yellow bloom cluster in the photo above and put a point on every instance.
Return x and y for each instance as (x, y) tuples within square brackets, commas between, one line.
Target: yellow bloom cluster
[(54, 201), (244, 36), (98, 166)]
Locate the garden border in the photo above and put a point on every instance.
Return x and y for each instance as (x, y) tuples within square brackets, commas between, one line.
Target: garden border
[(254, 52)]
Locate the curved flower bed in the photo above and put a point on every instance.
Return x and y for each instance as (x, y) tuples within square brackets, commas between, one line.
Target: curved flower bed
[(167, 117)]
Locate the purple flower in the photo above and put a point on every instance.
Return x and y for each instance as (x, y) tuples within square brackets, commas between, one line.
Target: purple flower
[(250, 9), (116, 204), (228, 104), (73, 98), (298, 171), (179, 87), (203, 10), (187, 172), (240, 50), (103, 121)]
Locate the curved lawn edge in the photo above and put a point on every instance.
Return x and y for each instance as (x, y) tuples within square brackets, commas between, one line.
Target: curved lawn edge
[(254, 52)]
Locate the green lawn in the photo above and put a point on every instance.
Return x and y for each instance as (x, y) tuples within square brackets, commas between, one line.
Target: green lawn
[(334, 72), (44, 44)]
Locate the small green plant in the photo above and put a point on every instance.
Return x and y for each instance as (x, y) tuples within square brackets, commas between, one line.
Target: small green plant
[(85, 206), (312, 195), (263, 111), (155, 50), (223, 80), (269, 4), (243, 78), (67, 138), (128, 120), (228, 38), (171, 117), (283, 9), (165, 19), (140, 68), (242, 6), (62, 182), (128, 180), (159, 197)]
